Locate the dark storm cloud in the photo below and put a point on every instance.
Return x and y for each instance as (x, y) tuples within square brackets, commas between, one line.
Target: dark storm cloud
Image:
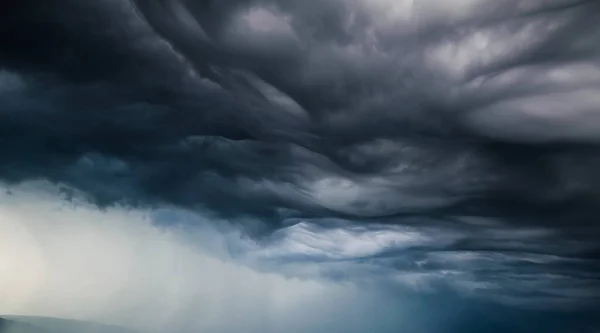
[(370, 111)]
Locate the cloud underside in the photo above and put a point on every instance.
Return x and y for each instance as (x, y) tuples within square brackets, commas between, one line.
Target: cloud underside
[(124, 267), (472, 125)]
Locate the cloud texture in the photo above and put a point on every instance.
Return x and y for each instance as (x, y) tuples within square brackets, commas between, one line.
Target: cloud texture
[(123, 267), (363, 109), (453, 143), (117, 267)]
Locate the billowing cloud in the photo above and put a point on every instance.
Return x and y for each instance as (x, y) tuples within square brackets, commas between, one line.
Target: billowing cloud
[(452, 141), (358, 108), (124, 267), (116, 266)]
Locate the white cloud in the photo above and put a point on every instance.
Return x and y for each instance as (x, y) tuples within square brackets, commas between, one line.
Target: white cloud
[(117, 267), (351, 242)]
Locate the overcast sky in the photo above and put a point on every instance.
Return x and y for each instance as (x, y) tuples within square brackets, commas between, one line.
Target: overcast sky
[(301, 166)]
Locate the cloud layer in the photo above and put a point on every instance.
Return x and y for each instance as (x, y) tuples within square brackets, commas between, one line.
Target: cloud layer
[(69, 261), (357, 108), (437, 140), (124, 267)]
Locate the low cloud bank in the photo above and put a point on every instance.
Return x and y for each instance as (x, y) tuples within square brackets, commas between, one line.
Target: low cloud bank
[(116, 266)]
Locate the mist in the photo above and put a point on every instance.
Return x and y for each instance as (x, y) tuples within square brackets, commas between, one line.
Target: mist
[(67, 260)]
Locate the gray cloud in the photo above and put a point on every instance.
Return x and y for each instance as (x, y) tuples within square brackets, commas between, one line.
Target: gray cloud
[(125, 267), (476, 118)]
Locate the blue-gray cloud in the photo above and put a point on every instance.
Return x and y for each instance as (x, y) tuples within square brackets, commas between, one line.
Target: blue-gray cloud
[(126, 267), (443, 141)]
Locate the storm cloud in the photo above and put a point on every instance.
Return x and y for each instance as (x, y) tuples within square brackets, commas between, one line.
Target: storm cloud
[(457, 140), (126, 267)]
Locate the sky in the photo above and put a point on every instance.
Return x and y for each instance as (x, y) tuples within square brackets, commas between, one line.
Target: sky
[(302, 166)]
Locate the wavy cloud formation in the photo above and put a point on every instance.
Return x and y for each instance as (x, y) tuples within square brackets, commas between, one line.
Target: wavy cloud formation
[(455, 139), (124, 267)]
